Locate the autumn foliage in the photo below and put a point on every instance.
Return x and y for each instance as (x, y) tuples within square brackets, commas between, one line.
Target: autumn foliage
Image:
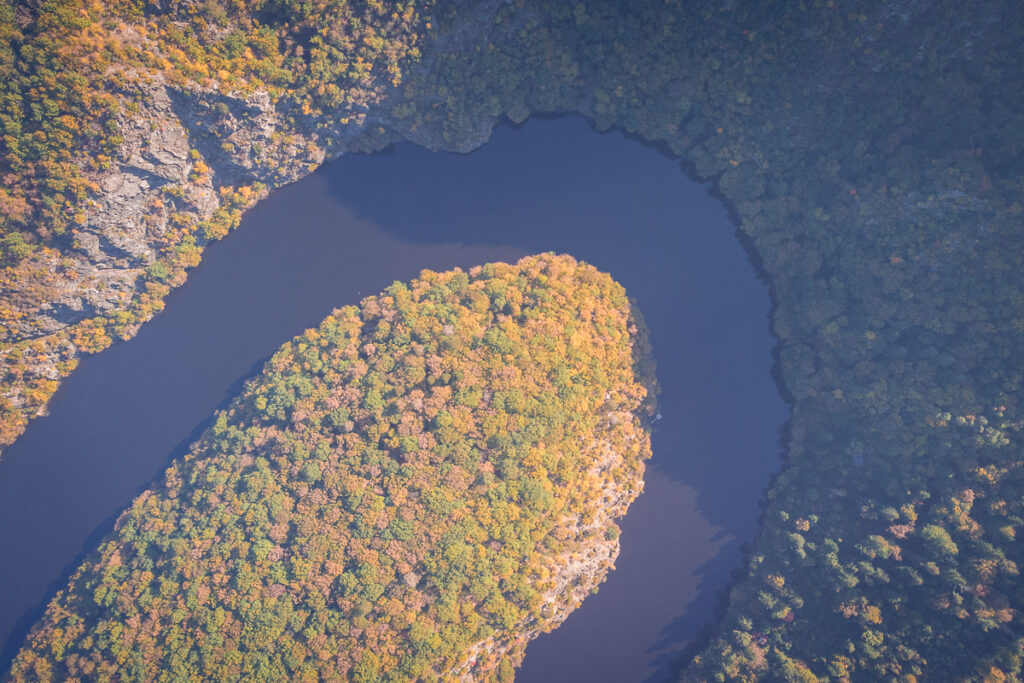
[(405, 482)]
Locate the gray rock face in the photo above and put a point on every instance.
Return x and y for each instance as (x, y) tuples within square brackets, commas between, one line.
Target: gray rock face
[(179, 149), (182, 146)]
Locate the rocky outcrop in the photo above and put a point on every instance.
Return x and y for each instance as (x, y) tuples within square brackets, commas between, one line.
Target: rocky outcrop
[(193, 158), (590, 549), (184, 156)]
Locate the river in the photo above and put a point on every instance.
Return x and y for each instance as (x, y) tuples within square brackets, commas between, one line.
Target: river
[(351, 229)]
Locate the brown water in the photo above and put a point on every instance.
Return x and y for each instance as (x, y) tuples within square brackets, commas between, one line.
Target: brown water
[(350, 230)]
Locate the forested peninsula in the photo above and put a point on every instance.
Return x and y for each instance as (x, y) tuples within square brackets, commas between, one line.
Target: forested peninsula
[(411, 491), (871, 154)]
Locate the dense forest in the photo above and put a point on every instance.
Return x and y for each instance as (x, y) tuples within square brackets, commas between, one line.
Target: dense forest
[(871, 153), (412, 490)]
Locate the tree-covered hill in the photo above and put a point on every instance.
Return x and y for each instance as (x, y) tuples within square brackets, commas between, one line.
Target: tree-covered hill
[(412, 490)]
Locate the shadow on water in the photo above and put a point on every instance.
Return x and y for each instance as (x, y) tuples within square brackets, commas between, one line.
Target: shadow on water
[(667, 655), (629, 209), (669, 240), (349, 231)]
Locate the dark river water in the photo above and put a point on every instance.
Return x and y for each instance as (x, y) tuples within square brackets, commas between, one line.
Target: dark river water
[(350, 230)]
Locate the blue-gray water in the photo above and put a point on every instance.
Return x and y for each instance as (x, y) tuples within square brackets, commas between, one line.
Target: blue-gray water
[(350, 230)]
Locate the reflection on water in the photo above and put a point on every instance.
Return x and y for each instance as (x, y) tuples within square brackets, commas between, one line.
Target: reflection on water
[(353, 228)]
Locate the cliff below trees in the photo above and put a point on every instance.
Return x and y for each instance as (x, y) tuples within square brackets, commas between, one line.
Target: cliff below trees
[(411, 491), (132, 140)]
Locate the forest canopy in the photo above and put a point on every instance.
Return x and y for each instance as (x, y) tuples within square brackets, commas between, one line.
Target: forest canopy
[(413, 489), (871, 152)]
